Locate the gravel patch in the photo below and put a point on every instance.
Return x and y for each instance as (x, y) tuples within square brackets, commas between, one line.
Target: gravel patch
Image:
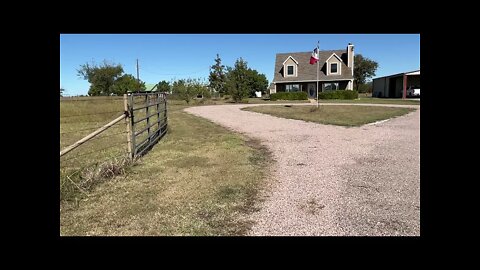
[(333, 180)]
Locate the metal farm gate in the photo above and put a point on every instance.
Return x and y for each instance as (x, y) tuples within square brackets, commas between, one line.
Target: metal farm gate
[(146, 121)]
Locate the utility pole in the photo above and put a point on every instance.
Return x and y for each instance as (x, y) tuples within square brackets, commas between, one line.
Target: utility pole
[(137, 72), (138, 77)]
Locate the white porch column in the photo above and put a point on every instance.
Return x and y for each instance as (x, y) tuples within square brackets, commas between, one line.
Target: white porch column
[(350, 85)]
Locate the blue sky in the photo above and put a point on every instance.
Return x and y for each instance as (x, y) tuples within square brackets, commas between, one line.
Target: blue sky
[(176, 56)]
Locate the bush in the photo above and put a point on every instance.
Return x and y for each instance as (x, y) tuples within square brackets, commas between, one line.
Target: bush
[(338, 94), (174, 97), (364, 88), (289, 96), (349, 94)]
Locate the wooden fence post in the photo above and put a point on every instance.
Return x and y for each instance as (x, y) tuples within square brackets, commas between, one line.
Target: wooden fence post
[(128, 125)]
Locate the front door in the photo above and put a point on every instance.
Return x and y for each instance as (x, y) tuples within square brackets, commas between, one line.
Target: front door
[(312, 93)]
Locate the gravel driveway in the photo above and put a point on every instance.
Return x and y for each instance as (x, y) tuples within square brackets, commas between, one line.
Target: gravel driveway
[(332, 180)]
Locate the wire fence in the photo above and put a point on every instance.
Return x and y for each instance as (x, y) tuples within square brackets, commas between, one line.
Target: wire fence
[(101, 156), (95, 147)]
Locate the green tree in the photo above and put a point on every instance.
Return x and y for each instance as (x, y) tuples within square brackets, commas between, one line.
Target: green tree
[(186, 89), (256, 82), (61, 91), (364, 68), (164, 86), (365, 88), (237, 80), (202, 88), (217, 77), (101, 78), (178, 88), (127, 83)]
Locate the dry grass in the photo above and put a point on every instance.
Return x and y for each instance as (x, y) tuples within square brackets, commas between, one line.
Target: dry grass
[(76, 184), (333, 115), (200, 179), (79, 117), (98, 159)]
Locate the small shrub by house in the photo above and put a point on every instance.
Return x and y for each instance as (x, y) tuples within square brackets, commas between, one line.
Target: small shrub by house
[(288, 96), (339, 94)]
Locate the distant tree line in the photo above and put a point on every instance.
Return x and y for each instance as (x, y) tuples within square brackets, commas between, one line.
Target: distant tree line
[(108, 79), (238, 81)]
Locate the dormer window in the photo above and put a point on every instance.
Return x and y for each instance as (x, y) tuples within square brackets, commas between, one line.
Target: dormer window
[(290, 67), (333, 68), (290, 70), (334, 65)]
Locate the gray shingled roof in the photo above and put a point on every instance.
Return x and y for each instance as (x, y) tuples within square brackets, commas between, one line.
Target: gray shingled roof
[(306, 71)]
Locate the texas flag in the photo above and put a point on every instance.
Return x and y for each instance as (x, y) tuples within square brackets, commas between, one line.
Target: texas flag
[(314, 57)]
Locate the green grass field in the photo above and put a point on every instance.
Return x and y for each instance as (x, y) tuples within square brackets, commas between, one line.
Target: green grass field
[(200, 179), (364, 98), (342, 115)]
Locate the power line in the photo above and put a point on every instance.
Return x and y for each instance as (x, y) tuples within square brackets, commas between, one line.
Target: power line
[(173, 74)]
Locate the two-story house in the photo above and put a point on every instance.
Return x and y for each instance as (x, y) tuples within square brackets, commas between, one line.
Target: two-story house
[(293, 72)]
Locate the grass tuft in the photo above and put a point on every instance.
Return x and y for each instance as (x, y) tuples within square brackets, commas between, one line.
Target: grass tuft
[(75, 184)]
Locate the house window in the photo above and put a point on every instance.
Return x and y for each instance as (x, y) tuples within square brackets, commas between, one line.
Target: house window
[(330, 86), (290, 71), (292, 88), (333, 68)]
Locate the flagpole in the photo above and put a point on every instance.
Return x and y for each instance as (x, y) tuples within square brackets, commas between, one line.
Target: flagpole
[(318, 63)]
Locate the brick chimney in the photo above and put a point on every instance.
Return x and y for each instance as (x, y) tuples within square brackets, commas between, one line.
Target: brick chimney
[(350, 56)]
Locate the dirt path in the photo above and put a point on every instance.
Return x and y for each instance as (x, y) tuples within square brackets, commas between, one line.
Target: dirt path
[(332, 180)]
